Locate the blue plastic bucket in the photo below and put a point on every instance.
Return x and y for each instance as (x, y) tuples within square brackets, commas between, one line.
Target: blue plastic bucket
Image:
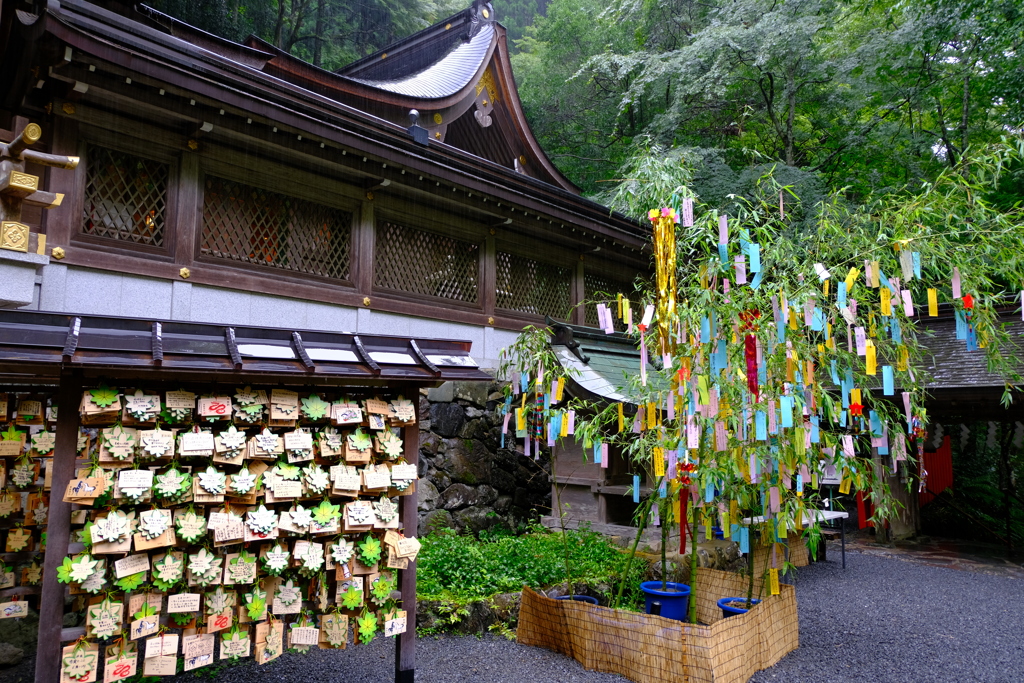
[(729, 611), (674, 601), (578, 598)]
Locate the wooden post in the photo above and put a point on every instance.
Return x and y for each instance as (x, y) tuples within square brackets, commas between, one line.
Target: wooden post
[(488, 275), (405, 644), (579, 295), (58, 529), (364, 242)]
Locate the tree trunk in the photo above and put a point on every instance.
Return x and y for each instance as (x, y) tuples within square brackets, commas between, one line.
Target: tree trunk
[(318, 40)]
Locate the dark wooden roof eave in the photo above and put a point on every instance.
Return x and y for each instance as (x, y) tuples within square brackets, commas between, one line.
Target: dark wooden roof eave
[(42, 345)]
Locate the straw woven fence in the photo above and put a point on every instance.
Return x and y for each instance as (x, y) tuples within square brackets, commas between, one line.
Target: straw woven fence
[(652, 649)]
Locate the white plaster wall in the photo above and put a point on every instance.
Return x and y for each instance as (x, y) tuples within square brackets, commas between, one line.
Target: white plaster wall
[(70, 289)]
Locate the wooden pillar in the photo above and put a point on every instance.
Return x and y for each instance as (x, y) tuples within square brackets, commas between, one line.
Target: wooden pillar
[(186, 221), (579, 294), (488, 275), (364, 241), (405, 644), (58, 529)]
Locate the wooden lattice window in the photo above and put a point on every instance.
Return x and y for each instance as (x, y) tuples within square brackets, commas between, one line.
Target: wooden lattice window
[(419, 262), (529, 286), (597, 289), (253, 225), (125, 197)]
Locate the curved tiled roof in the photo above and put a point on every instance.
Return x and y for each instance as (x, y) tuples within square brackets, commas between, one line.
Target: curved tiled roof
[(448, 75)]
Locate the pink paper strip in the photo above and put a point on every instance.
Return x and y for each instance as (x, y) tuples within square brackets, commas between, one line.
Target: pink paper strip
[(741, 269), (721, 440), (773, 499), (906, 404), (671, 408), (908, 303), (688, 212), (572, 422), (956, 283), (862, 344), (692, 433), (848, 446), (723, 229), (604, 455)]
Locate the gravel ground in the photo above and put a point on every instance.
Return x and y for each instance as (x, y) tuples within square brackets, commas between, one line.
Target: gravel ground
[(884, 620), (881, 620), (446, 659)]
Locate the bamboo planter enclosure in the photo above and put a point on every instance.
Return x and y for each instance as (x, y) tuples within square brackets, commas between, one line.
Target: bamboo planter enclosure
[(652, 649)]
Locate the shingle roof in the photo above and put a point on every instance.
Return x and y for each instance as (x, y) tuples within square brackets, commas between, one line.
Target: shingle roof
[(949, 363), (447, 74)]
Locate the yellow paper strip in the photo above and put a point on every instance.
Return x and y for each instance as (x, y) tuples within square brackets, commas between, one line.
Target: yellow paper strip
[(886, 301), (774, 580), (844, 487), (869, 360), (564, 431), (652, 415), (851, 277), (874, 273), (520, 420), (622, 418), (559, 388), (659, 461), (855, 396), (933, 302)]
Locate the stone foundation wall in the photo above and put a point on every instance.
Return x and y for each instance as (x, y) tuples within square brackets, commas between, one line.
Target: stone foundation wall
[(467, 482)]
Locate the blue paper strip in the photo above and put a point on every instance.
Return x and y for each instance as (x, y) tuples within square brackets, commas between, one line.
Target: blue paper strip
[(799, 482), (841, 295), (745, 540), (723, 253), (786, 405), (597, 452), (760, 426), (896, 331), (876, 423), (917, 264), (756, 282), (815, 429), (524, 383), (835, 373), (636, 488), (887, 381), (709, 492), (705, 330), (817, 320), (754, 252), (842, 417)]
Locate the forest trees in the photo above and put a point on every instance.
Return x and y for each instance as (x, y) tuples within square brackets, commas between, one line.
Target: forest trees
[(873, 96), (327, 33)]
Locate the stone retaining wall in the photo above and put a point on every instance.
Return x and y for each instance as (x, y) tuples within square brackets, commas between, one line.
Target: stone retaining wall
[(467, 481)]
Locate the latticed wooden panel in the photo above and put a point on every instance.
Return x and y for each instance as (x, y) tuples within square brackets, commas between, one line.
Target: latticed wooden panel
[(253, 225), (125, 197), (529, 286), (419, 262), (598, 289)]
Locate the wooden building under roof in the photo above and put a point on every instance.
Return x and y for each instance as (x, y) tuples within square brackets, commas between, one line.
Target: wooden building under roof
[(236, 184)]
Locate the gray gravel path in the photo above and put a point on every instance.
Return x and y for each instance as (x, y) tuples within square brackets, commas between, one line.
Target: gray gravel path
[(881, 620), (446, 659), (885, 620)]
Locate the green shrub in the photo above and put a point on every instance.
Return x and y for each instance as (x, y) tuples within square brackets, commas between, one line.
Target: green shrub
[(463, 568)]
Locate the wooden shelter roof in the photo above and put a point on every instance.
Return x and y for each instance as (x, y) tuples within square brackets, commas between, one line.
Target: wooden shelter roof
[(34, 345)]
